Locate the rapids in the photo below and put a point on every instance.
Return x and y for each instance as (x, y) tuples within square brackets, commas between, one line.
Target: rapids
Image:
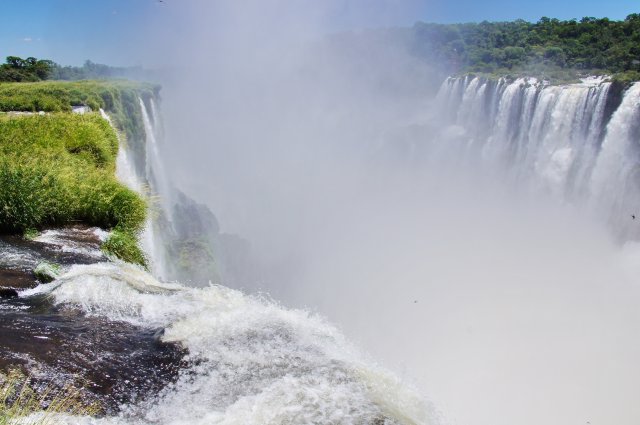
[(250, 361)]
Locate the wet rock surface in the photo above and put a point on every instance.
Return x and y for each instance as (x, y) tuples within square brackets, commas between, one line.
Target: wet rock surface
[(65, 246), (68, 245), (113, 362), (16, 279)]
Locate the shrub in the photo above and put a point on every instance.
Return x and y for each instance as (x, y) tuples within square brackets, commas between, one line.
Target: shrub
[(123, 245)]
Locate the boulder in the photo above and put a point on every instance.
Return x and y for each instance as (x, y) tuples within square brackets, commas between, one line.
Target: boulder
[(16, 279), (47, 272)]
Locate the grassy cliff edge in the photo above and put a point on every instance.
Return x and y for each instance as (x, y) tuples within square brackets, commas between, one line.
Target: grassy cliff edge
[(58, 168)]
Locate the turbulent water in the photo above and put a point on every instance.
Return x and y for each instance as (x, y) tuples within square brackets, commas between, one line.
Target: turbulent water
[(251, 361)]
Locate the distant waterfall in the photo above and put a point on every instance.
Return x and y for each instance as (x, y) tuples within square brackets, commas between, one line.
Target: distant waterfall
[(571, 141), (616, 177)]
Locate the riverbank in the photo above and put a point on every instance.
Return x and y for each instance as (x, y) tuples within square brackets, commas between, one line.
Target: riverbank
[(58, 167)]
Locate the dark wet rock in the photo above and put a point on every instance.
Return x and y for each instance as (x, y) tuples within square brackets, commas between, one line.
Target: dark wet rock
[(8, 293), (16, 279), (66, 246), (115, 363), (46, 272), (118, 362)]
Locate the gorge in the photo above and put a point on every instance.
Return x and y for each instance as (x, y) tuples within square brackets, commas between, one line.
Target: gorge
[(333, 231)]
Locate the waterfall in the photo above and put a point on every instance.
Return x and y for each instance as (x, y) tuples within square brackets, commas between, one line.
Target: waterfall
[(561, 140), (159, 223), (615, 183), (178, 353), (140, 181), (181, 238), (155, 170)]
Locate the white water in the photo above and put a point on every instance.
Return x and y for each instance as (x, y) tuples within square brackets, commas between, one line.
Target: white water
[(512, 307), (139, 181), (616, 178), (509, 320), (253, 362), (60, 239), (551, 139), (155, 171)]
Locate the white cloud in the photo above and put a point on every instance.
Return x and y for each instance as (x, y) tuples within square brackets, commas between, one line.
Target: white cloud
[(27, 39)]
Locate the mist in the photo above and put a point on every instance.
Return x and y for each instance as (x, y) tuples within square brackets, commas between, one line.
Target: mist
[(501, 305)]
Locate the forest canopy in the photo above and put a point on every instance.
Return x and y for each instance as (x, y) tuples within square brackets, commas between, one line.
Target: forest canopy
[(587, 45), (29, 69), (16, 69)]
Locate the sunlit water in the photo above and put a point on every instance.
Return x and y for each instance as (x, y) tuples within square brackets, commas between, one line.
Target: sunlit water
[(501, 312), (250, 360)]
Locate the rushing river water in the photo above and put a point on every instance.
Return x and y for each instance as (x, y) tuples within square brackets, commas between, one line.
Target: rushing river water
[(167, 353)]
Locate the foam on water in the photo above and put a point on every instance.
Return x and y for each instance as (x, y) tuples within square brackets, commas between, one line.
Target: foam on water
[(250, 360), (63, 239)]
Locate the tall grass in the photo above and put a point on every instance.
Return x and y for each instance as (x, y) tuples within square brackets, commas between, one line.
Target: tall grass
[(22, 402), (60, 168), (118, 97)]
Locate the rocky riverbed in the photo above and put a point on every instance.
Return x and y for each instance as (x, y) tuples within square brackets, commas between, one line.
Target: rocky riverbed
[(113, 362)]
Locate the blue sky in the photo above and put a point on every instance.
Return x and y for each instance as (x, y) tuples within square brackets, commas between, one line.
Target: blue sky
[(70, 31)]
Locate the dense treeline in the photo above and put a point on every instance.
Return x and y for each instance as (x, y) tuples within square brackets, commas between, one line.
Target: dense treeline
[(550, 44), (95, 71), (16, 69), (30, 69)]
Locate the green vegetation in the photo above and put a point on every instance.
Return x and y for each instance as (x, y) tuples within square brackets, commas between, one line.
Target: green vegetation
[(124, 245), (549, 47), (47, 272), (30, 234), (119, 98), (17, 69), (92, 71), (59, 168), (19, 399)]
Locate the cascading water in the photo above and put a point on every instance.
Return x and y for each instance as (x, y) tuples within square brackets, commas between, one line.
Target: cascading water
[(249, 360), (616, 178), (560, 140)]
